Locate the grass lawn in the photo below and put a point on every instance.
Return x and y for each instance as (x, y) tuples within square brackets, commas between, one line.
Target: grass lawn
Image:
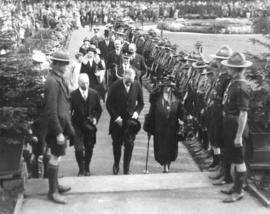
[(211, 42)]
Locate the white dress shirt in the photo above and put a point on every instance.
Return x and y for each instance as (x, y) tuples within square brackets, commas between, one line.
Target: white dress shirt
[(84, 93)]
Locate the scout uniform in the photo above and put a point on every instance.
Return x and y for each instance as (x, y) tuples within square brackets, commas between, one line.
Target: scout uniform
[(235, 105)]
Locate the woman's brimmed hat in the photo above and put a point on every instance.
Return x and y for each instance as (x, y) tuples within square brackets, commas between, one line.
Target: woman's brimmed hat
[(223, 53), (60, 56), (91, 49), (237, 60), (199, 64)]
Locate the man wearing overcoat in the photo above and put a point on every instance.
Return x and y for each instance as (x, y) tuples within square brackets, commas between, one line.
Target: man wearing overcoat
[(124, 102), (86, 111)]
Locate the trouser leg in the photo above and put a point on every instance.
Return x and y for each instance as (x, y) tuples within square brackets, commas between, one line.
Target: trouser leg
[(88, 144), (79, 158), (117, 152), (127, 157)]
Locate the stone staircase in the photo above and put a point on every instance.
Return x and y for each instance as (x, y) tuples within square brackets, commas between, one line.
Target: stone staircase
[(187, 192)]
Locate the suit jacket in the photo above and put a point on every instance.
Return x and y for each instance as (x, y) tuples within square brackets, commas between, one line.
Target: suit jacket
[(139, 63), (123, 104), (56, 114), (105, 50), (114, 59), (81, 109)]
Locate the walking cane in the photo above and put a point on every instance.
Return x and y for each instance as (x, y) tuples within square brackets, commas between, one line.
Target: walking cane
[(147, 154)]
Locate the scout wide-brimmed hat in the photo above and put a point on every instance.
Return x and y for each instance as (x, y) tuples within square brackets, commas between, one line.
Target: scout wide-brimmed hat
[(199, 64), (166, 81), (207, 71), (237, 60), (223, 53), (60, 56)]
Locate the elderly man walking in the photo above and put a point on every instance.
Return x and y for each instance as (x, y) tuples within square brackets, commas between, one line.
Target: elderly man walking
[(124, 104), (86, 111)]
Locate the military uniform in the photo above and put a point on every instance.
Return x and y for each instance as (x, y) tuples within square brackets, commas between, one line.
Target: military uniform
[(236, 99), (214, 104)]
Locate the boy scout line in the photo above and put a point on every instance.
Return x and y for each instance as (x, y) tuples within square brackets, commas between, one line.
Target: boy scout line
[(215, 95)]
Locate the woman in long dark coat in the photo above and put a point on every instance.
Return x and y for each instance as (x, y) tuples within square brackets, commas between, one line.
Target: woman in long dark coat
[(165, 112)]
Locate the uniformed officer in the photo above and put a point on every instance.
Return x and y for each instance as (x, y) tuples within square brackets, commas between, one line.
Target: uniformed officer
[(235, 111), (214, 107)]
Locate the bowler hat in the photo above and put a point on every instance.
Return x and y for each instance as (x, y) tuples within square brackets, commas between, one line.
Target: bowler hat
[(223, 53), (237, 60), (60, 56), (132, 125), (86, 39)]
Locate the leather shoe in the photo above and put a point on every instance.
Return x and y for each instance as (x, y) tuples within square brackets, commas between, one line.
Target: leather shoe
[(127, 172), (115, 169), (215, 176), (63, 189), (87, 173), (80, 173), (56, 198), (227, 191), (219, 182), (234, 197), (212, 169)]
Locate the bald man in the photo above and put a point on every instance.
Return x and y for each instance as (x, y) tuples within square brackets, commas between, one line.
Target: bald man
[(124, 102), (86, 111)]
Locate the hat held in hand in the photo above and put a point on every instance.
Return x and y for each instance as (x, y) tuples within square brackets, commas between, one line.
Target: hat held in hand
[(237, 60)]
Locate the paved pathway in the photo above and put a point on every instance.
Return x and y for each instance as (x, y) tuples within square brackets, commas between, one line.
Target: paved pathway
[(103, 158)]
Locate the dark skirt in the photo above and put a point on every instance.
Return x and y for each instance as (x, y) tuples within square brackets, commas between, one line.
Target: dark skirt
[(165, 137)]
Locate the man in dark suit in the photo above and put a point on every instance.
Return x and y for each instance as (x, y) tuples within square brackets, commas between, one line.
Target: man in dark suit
[(106, 46), (96, 38), (56, 122), (86, 111), (114, 60), (137, 61), (124, 101)]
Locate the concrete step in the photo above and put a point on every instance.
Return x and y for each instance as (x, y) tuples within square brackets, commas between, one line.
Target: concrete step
[(189, 193), (124, 183)]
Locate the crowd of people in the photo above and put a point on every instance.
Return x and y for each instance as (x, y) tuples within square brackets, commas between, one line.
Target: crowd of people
[(208, 99)]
